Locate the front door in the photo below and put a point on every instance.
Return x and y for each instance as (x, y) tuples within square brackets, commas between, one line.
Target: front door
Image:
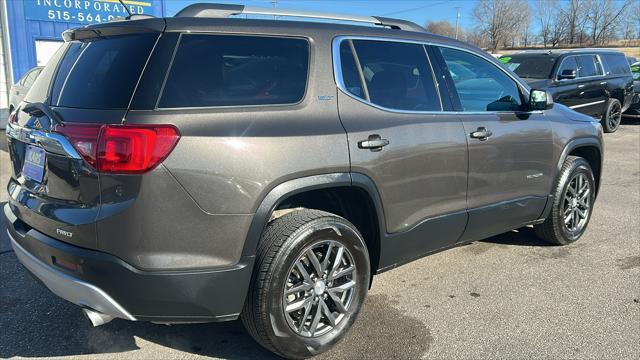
[(510, 150), (399, 137)]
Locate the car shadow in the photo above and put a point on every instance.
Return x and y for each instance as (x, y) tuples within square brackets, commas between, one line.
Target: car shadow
[(525, 236), (36, 323), (630, 121)]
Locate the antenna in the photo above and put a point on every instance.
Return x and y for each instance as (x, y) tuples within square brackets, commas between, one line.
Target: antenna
[(126, 8)]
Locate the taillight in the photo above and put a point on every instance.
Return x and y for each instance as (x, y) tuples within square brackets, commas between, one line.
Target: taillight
[(126, 149), (13, 118)]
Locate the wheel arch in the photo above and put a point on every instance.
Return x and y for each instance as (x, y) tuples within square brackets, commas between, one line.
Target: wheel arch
[(352, 196), (588, 148)]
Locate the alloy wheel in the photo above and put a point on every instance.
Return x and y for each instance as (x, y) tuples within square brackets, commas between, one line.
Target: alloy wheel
[(577, 203), (320, 288), (615, 115)]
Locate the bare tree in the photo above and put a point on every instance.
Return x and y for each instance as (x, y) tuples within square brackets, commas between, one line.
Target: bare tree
[(604, 18), (547, 15), (500, 20), (441, 28), (575, 16)]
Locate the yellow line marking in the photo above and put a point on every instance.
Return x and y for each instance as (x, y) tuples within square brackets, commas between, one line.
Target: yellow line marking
[(127, 2)]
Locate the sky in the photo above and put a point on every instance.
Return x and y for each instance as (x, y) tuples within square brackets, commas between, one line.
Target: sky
[(418, 11)]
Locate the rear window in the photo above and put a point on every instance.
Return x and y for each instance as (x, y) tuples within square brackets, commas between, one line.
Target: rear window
[(616, 64), (101, 73), (231, 70)]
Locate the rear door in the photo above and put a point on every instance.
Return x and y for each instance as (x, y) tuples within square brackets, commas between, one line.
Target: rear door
[(400, 138), (510, 150), (52, 139), (593, 86)]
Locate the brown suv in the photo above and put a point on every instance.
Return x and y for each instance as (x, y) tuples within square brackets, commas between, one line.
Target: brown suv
[(204, 168)]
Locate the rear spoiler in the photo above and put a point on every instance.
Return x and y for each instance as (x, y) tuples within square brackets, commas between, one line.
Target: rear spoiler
[(115, 28)]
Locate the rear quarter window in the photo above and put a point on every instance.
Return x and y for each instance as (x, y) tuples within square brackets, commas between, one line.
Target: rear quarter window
[(616, 64), (232, 70)]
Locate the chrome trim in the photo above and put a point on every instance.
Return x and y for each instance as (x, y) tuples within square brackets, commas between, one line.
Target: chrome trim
[(71, 289), (587, 104), (50, 141), (337, 73)]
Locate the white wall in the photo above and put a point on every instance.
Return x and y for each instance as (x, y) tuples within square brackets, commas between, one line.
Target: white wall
[(4, 82)]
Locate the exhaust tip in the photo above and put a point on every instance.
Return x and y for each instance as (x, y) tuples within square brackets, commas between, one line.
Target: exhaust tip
[(96, 318)]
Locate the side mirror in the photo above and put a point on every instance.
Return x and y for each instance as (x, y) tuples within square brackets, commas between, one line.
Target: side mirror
[(540, 100), (567, 74)]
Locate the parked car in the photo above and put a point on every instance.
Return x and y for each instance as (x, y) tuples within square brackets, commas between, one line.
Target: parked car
[(210, 168), (634, 109), (20, 88), (632, 60), (595, 82)]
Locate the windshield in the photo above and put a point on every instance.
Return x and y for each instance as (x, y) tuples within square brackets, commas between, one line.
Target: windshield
[(536, 66)]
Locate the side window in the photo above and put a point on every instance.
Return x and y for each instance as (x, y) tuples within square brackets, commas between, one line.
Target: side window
[(396, 75), (569, 63), (481, 85), (350, 75), (587, 66), (616, 64), (31, 77), (228, 70)]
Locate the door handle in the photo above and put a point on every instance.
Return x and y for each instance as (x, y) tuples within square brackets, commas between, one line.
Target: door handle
[(580, 86), (603, 83), (374, 143), (481, 134)]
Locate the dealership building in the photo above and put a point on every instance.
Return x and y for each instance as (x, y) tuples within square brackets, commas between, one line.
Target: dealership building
[(30, 32)]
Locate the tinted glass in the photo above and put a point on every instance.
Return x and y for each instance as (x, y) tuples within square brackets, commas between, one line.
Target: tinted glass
[(530, 66), (481, 85), (616, 64), (350, 76), (101, 73), (397, 75), (223, 70), (568, 63), (587, 66)]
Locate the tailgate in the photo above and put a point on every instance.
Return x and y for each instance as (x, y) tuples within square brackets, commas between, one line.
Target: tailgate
[(54, 187)]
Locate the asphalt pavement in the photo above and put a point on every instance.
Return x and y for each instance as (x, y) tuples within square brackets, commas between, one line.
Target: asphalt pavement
[(510, 296)]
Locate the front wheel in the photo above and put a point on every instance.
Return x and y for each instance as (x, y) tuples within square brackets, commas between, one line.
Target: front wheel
[(311, 278), (572, 203)]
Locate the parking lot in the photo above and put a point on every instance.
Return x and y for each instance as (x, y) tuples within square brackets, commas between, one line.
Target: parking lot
[(510, 296)]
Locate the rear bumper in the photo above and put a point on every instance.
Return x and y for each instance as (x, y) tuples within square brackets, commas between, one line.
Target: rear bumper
[(106, 284)]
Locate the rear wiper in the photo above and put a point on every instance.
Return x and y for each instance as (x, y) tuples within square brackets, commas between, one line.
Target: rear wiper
[(38, 109)]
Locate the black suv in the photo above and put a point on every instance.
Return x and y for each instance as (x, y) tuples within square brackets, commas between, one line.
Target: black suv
[(596, 82), (204, 168)]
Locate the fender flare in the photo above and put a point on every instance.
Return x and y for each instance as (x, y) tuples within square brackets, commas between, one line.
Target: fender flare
[(295, 186), (592, 141)]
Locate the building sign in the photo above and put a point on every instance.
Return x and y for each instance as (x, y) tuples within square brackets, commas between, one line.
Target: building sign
[(84, 11)]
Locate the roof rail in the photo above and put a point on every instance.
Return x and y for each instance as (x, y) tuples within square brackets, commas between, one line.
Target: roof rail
[(226, 10)]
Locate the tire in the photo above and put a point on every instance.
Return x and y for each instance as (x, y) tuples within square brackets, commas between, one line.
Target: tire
[(575, 175), (287, 244), (612, 117)]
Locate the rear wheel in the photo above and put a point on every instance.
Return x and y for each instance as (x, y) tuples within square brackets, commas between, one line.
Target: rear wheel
[(612, 117), (572, 203), (311, 278)]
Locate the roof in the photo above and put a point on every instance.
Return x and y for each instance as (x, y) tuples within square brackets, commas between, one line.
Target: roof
[(567, 51)]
